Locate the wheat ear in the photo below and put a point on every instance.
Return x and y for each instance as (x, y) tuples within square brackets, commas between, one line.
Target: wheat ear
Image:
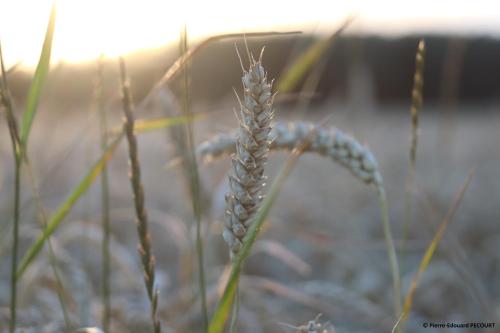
[(251, 145), (145, 248), (329, 142)]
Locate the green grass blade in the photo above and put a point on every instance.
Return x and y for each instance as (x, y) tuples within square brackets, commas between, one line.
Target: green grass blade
[(223, 309), (144, 126), (299, 68), (66, 206), (150, 125), (38, 80), (431, 249)]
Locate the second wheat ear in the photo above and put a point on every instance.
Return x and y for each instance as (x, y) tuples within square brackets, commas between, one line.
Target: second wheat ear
[(329, 142), (246, 178)]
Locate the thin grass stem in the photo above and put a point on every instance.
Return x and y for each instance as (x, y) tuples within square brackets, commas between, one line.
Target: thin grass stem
[(15, 245), (391, 250), (194, 179), (52, 256), (105, 205), (431, 250)]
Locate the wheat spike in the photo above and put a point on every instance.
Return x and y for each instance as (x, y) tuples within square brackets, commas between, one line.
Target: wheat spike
[(250, 147), (329, 142)]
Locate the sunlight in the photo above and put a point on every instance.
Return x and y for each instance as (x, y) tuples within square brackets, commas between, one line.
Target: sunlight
[(87, 28), (84, 29)]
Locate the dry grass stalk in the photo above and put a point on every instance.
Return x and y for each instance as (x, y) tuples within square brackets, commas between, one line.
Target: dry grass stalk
[(252, 145), (145, 248), (328, 142)]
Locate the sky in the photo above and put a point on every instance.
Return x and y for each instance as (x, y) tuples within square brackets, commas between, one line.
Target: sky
[(87, 28)]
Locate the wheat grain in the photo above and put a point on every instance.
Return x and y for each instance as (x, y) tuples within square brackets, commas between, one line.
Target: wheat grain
[(251, 145)]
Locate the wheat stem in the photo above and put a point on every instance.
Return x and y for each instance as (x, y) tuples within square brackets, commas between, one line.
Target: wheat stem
[(145, 248)]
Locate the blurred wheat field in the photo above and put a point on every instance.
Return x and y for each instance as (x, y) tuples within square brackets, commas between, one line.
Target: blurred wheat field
[(321, 261), (330, 224)]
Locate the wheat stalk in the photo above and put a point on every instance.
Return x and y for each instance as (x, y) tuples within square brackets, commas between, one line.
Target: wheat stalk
[(251, 145), (145, 248)]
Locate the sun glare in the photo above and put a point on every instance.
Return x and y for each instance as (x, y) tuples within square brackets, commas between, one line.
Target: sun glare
[(87, 28)]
